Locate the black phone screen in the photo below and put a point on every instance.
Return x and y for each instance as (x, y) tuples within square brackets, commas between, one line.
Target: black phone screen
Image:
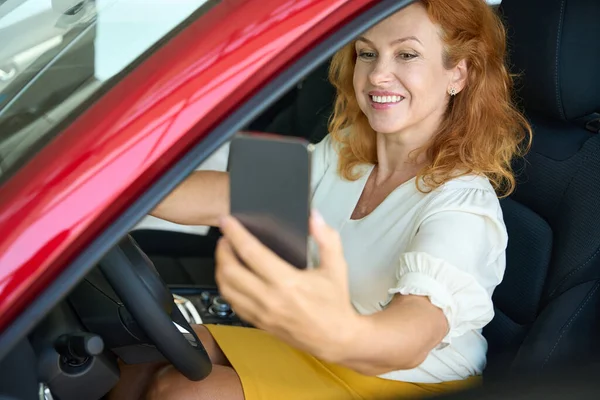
[(270, 191)]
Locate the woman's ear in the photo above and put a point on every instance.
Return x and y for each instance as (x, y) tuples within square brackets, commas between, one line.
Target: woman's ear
[(459, 74)]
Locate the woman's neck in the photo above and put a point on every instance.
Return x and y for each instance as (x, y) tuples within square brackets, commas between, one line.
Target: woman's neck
[(405, 151), (398, 158)]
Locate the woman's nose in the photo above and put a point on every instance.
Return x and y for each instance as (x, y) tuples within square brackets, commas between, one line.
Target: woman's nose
[(381, 73)]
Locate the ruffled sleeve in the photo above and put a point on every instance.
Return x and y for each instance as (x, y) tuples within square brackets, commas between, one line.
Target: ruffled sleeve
[(456, 257)]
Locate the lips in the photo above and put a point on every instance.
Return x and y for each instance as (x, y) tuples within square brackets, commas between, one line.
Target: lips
[(381, 100), (386, 99)]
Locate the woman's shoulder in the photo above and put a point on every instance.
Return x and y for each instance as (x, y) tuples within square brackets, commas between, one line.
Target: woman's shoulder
[(469, 193), (326, 152), (324, 159), (469, 182), (329, 144)]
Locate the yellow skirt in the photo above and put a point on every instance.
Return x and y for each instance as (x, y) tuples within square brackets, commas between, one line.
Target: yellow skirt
[(269, 369)]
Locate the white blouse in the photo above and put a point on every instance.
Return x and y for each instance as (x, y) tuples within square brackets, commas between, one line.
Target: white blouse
[(448, 244)]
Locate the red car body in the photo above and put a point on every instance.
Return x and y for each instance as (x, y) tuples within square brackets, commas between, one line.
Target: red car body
[(113, 151)]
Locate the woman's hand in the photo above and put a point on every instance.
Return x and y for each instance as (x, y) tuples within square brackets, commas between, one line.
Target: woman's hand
[(309, 309)]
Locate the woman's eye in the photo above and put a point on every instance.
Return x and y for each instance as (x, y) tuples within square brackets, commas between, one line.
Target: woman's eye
[(367, 55), (406, 56)]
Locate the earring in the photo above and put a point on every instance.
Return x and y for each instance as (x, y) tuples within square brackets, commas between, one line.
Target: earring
[(452, 91)]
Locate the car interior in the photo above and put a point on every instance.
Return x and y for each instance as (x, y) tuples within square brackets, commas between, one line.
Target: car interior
[(546, 307)]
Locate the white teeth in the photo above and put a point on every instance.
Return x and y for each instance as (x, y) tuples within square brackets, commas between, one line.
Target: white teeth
[(387, 99)]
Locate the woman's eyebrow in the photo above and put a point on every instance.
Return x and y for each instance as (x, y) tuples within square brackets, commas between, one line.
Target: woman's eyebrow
[(404, 39)]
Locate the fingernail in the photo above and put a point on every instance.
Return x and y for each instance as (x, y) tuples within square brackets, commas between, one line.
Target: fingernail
[(317, 217)]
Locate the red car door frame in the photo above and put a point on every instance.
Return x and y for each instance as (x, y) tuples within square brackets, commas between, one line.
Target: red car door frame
[(111, 165)]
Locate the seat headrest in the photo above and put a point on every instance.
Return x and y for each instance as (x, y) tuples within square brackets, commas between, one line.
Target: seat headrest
[(555, 46)]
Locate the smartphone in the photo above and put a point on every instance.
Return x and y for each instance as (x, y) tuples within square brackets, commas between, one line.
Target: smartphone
[(270, 191)]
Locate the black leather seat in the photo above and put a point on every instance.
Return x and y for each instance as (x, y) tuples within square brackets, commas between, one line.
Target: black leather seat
[(548, 306), (308, 115), (180, 258)]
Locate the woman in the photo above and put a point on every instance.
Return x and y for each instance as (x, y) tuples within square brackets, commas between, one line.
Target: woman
[(410, 231)]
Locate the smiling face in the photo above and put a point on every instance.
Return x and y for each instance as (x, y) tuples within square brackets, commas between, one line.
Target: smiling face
[(400, 81)]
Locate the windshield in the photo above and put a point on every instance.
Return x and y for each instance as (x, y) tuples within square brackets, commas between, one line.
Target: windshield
[(56, 53)]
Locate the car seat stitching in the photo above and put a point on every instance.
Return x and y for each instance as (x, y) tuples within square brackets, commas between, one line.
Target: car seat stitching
[(558, 41), (566, 327), (563, 280), (568, 185)]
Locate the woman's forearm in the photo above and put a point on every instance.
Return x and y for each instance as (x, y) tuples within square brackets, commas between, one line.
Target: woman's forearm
[(397, 338), (199, 200)]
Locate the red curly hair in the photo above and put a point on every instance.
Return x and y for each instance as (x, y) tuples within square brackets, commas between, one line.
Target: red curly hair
[(482, 130)]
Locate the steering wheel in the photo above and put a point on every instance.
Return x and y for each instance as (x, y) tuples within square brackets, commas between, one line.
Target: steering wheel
[(146, 296)]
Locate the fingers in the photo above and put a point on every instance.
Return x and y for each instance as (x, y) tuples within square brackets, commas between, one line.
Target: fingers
[(247, 293), (329, 242), (268, 265), (233, 278), (255, 255)]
